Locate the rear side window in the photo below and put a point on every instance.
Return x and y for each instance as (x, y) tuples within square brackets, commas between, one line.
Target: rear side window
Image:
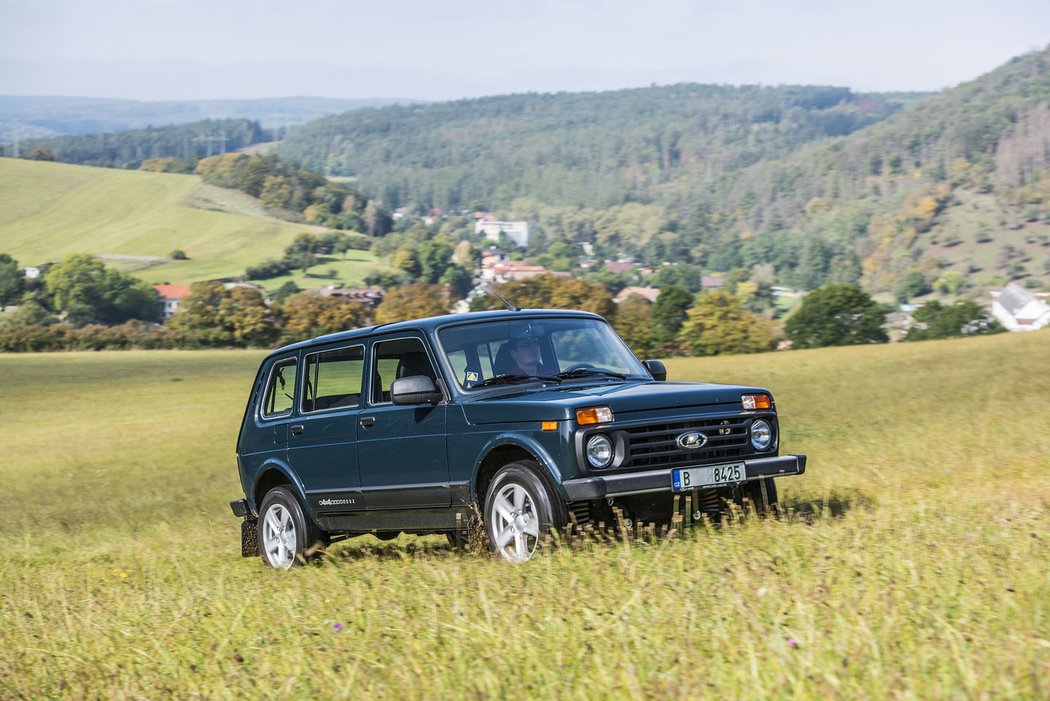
[(280, 390), (333, 379)]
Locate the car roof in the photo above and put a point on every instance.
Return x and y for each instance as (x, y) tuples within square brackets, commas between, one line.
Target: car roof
[(430, 324)]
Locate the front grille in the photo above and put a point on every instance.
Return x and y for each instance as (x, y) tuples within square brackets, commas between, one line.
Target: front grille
[(655, 445)]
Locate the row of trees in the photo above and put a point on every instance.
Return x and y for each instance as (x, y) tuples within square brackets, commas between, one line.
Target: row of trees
[(284, 187), (78, 303)]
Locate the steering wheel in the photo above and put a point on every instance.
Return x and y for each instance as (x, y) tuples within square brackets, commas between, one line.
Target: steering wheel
[(579, 366)]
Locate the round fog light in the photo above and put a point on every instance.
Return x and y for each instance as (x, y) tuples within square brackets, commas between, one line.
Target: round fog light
[(599, 450), (761, 434)]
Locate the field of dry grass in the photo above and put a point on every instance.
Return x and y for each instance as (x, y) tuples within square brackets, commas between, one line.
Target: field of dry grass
[(913, 561)]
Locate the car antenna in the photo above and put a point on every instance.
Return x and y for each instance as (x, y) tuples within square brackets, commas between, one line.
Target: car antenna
[(511, 307)]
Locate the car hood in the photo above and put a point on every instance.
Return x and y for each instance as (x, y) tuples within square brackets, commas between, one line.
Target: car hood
[(624, 398)]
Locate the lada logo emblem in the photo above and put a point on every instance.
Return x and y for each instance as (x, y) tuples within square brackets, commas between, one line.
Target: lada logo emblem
[(692, 440)]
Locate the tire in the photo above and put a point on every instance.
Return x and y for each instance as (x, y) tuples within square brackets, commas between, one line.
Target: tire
[(520, 511), (286, 535)]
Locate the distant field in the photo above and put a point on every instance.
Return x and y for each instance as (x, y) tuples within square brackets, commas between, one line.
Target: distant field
[(49, 210), (914, 563)]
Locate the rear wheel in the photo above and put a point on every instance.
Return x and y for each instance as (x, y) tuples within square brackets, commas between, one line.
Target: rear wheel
[(520, 512), (286, 535)]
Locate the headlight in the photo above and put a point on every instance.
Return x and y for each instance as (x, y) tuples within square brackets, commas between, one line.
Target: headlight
[(761, 434), (599, 450)]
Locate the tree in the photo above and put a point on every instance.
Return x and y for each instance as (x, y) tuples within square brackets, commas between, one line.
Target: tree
[(406, 260), (551, 292), (914, 284), (434, 257), (669, 312), (87, 292), (719, 324), (964, 318), (215, 316), (376, 221), (11, 280), (459, 281), (634, 323), (415, 301), (309, 314), (39, 153), (836, 315)]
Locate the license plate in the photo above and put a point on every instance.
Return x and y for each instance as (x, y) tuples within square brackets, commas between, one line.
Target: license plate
[(697, 477)]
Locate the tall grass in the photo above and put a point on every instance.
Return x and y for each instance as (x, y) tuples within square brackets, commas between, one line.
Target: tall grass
[(913, 562)]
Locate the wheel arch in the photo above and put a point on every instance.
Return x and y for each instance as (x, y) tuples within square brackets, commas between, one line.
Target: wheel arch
[(272, 474), (506, 449)]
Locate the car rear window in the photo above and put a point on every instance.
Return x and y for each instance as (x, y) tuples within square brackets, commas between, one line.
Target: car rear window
[(280, 389)]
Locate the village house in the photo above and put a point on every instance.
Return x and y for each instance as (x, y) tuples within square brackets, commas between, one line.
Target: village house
[(493, 270), (171, 295), (1018, 309), (369, 297)]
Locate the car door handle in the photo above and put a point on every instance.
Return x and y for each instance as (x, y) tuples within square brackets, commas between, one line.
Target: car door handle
[(297, 429), (367, 420)]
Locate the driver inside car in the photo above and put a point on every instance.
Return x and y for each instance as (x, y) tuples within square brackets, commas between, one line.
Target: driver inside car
[(525, 352)]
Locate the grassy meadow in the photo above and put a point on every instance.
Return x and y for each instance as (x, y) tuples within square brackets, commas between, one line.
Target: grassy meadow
[(136, 219), (913, 563)]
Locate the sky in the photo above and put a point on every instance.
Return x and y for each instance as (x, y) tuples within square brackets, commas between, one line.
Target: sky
[(449, 49)]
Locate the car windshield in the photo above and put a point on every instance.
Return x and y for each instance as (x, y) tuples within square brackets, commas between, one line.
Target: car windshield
[(558, 350)]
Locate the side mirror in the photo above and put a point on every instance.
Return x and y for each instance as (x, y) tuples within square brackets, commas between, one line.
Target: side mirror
[(656, 369), (416, 389)]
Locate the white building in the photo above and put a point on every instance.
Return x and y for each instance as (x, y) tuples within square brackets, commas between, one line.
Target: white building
[(516, 231), (1019, 310)]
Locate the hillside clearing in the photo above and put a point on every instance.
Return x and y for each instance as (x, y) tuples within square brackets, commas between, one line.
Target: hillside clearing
[(50, 210)]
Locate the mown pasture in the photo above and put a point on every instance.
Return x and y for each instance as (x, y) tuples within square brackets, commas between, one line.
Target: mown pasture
[(913, 561), (135, 220)]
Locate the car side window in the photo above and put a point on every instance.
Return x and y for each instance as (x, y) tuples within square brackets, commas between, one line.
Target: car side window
[(392, 360), (280, 389), (332, 379)]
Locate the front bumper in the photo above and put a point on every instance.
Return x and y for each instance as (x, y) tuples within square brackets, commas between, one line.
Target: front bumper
[(591, 488)]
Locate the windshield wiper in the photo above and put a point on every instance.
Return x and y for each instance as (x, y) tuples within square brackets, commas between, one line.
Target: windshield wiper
[(510, 378), (589, 372)]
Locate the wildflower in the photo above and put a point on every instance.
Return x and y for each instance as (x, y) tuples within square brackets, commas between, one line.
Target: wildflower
[(337, 627), (792, 642)]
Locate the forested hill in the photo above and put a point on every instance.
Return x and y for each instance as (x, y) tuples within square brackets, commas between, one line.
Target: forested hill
[(36, 117), (129, 149), (815, 184), (582, 149), (957, 183)]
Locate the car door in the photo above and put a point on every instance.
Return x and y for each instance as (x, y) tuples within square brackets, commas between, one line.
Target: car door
[(322, 442), (265, 438), (402, 449)]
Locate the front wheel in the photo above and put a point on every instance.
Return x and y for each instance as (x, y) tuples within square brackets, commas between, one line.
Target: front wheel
[(286, 535), (519, 512)]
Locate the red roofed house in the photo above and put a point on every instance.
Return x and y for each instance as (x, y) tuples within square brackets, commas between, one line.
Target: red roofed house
[(172, 295)]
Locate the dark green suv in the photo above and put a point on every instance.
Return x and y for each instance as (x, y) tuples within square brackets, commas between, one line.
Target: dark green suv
[(531, 420)]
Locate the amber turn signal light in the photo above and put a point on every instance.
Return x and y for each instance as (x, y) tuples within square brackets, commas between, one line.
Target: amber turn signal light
[(756, 401), (549, 425), (594, 415)]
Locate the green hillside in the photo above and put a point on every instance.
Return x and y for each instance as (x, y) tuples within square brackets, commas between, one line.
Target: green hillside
[(134, 220), (823, 184), (912, 564)]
